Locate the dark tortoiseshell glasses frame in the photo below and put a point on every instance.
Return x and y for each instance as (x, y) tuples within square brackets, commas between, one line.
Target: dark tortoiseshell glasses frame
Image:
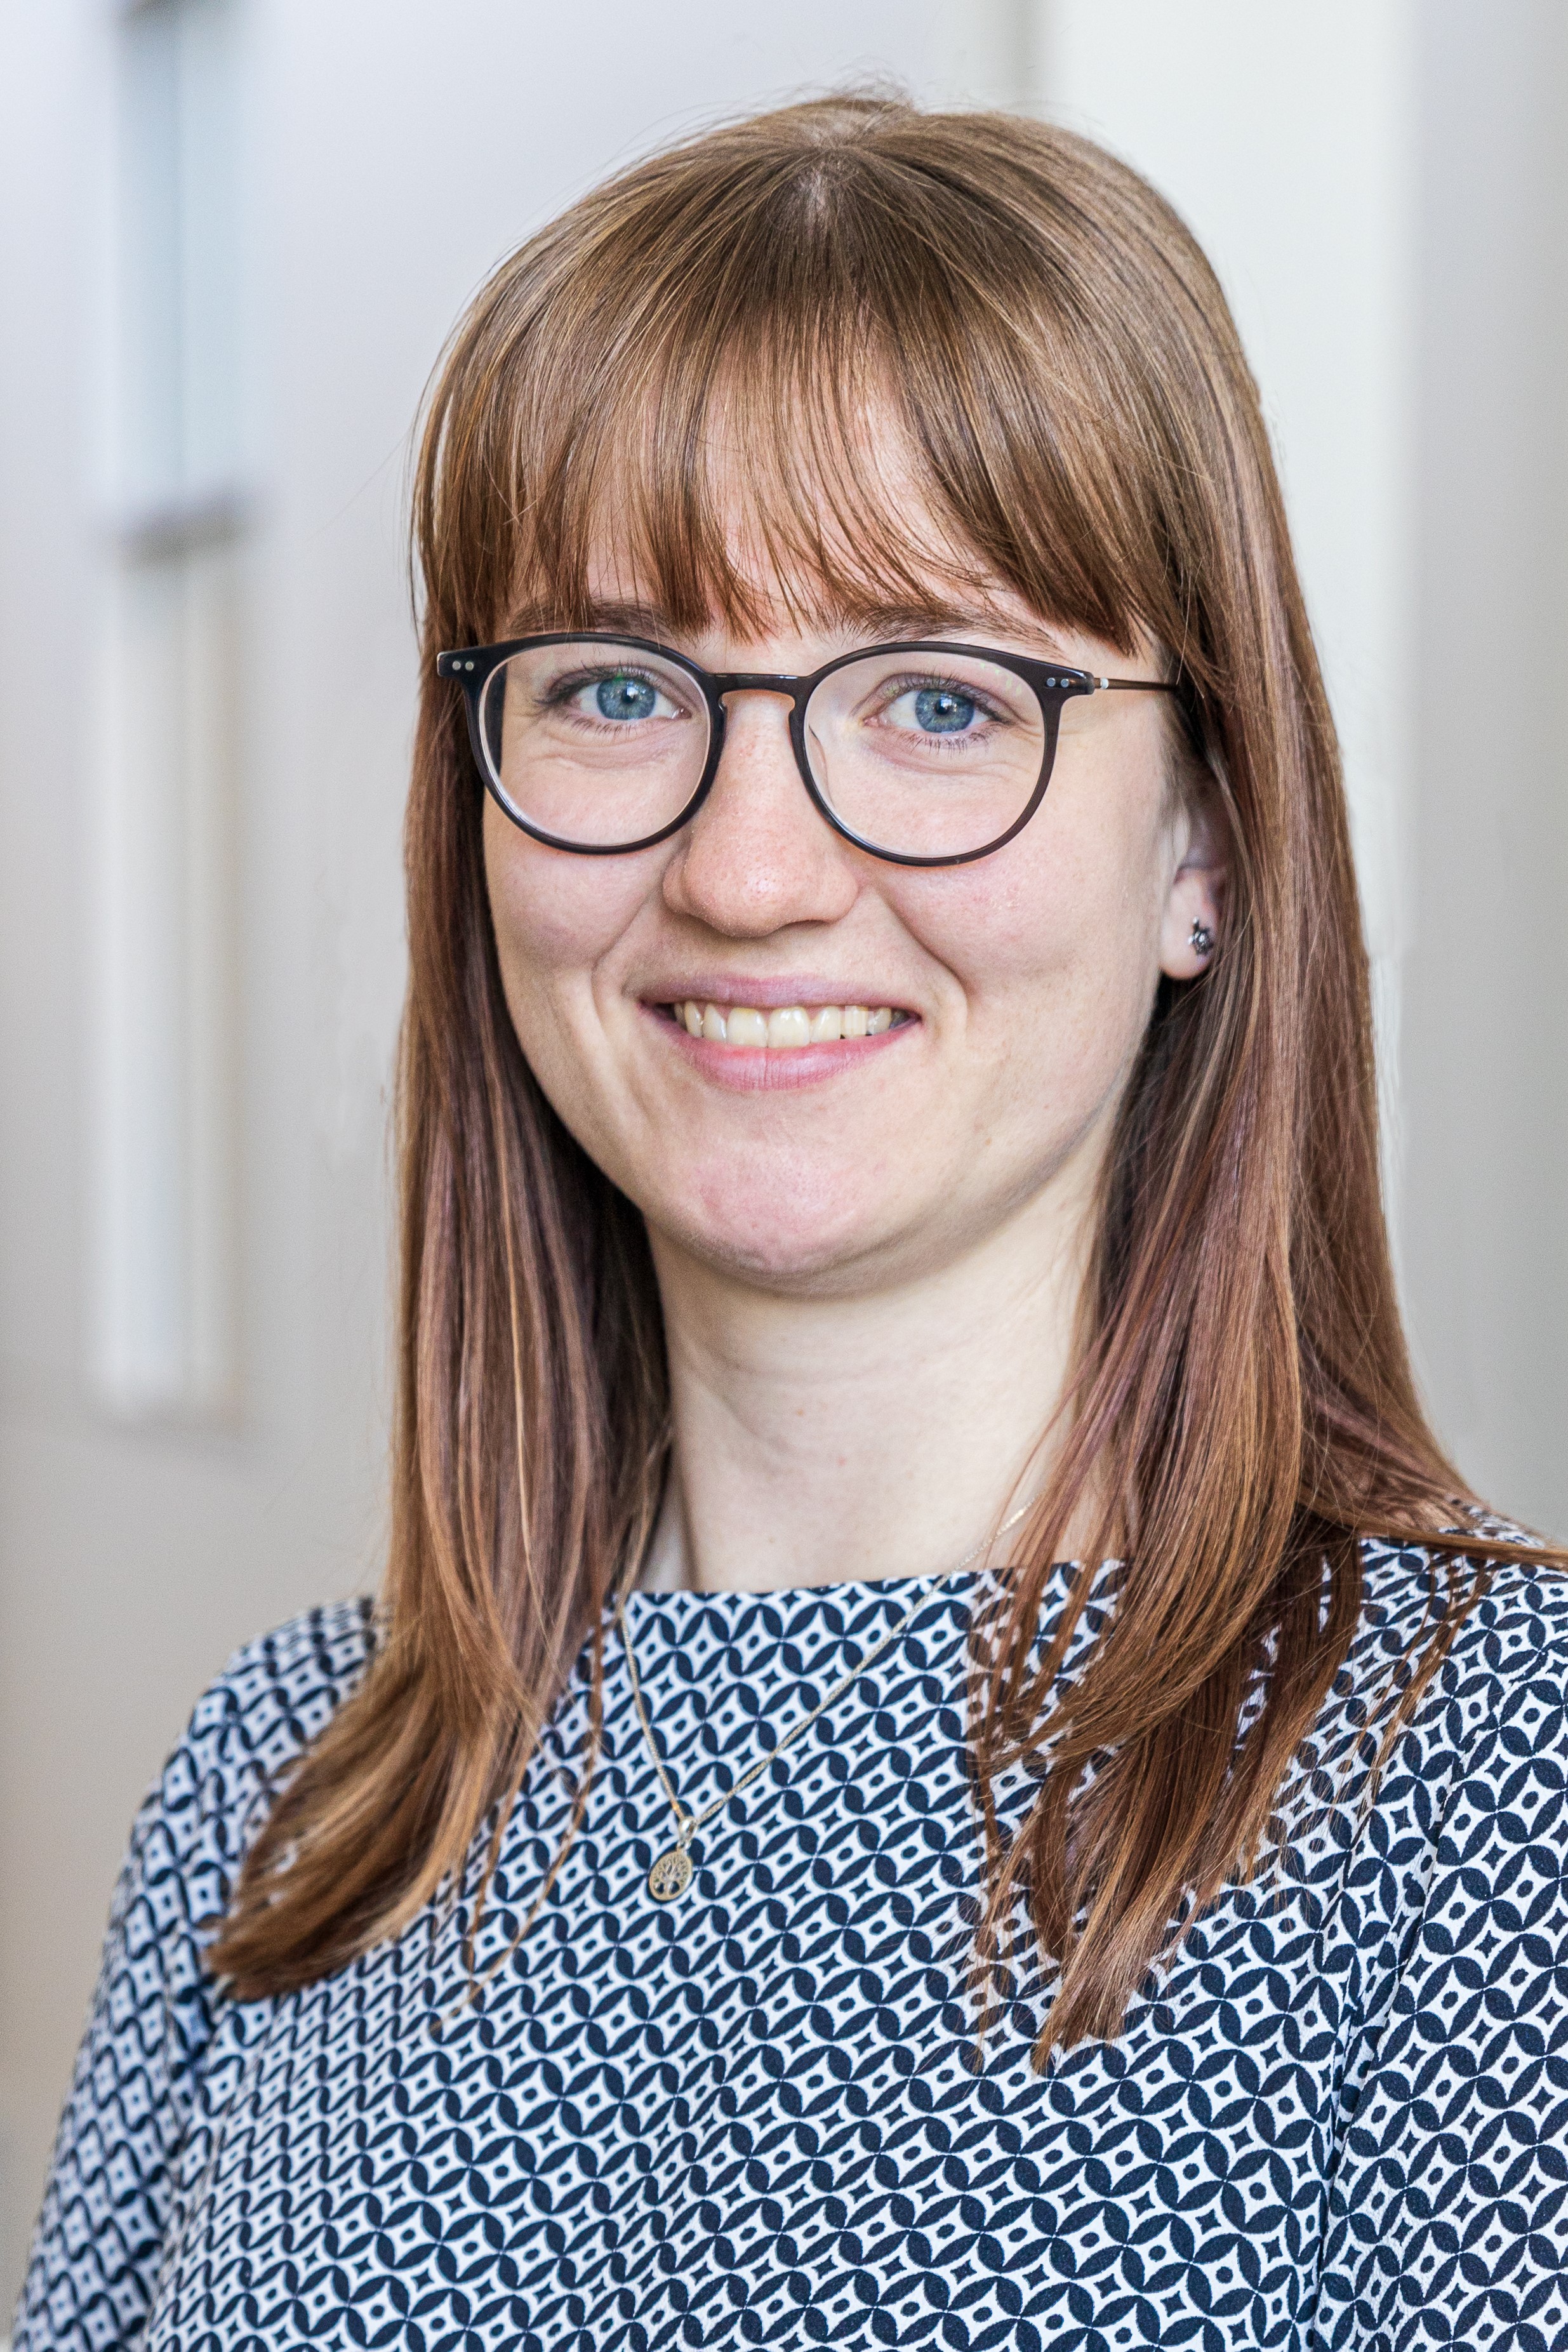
[(1054, 685)]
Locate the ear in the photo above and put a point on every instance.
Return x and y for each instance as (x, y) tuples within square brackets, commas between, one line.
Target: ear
[(1196, 894)]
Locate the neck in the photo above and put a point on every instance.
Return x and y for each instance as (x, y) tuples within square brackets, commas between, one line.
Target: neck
[(825, 1440)]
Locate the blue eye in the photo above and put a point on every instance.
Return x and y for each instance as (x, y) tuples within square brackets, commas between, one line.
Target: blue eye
[(625, 697), (942, 710)]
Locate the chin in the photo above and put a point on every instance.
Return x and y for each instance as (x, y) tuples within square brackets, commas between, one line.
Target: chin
[(798, 1236)]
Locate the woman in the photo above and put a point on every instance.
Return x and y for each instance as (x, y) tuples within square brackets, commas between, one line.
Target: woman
[(742, 1886)]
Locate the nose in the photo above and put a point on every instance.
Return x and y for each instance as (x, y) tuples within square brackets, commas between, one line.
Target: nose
[(757, 857)]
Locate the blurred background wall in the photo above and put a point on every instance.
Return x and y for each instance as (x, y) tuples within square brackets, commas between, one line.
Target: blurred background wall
[(233, 234)]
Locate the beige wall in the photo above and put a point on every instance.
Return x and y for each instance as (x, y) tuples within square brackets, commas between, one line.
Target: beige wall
[(1485, 1062), (392, 153)]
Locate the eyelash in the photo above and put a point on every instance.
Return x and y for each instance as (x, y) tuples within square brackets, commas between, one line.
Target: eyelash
[(894, 690), (561, 692), (564, 688)]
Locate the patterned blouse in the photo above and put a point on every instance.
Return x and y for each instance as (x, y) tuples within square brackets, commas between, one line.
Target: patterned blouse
[(755, 2115)]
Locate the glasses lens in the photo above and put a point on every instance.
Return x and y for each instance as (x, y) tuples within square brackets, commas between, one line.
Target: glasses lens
[(597, 745), (925, 755)]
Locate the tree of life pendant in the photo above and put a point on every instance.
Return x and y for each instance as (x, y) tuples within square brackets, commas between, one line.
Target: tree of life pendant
[(671, 1874)]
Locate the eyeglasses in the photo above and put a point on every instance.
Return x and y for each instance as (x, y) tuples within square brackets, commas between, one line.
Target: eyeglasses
[(925, 754)]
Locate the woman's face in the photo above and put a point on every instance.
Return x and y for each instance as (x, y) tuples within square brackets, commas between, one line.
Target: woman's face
[(1019, 986)]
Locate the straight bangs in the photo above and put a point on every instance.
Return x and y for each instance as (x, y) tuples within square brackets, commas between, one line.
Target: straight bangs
[(838, 389)]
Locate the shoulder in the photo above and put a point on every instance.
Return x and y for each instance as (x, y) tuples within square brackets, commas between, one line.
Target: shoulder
[(1501, 1628), (279, 1691), (1509, 1614), (270, 1700), (111, 2189), (1442, 1742)]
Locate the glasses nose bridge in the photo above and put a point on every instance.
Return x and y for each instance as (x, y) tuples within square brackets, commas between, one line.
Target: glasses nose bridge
[(756, 681), (779, 686)]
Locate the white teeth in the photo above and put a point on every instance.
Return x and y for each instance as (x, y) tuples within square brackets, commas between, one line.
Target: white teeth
[(787, 1026)]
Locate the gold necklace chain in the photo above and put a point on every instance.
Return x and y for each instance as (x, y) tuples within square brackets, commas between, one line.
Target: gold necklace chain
[(670, 1873)]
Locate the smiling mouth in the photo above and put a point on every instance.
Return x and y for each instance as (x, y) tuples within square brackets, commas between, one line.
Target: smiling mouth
[(787, 1026)]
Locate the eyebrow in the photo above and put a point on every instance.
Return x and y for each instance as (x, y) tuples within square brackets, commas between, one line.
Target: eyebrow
[(870, 623)]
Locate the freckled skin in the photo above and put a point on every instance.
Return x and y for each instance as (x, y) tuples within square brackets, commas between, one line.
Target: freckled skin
[(1032, 974)]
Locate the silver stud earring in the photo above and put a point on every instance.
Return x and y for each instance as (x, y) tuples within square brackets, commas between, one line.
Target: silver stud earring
[(1201, 939)]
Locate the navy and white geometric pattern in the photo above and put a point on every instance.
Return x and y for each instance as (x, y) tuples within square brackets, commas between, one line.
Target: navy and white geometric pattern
[(752, 2118)]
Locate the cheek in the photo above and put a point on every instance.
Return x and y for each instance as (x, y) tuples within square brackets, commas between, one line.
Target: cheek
[(1059, 937), (556, 917)]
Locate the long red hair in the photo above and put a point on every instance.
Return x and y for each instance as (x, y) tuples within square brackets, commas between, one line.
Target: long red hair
[(1053, 350)]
